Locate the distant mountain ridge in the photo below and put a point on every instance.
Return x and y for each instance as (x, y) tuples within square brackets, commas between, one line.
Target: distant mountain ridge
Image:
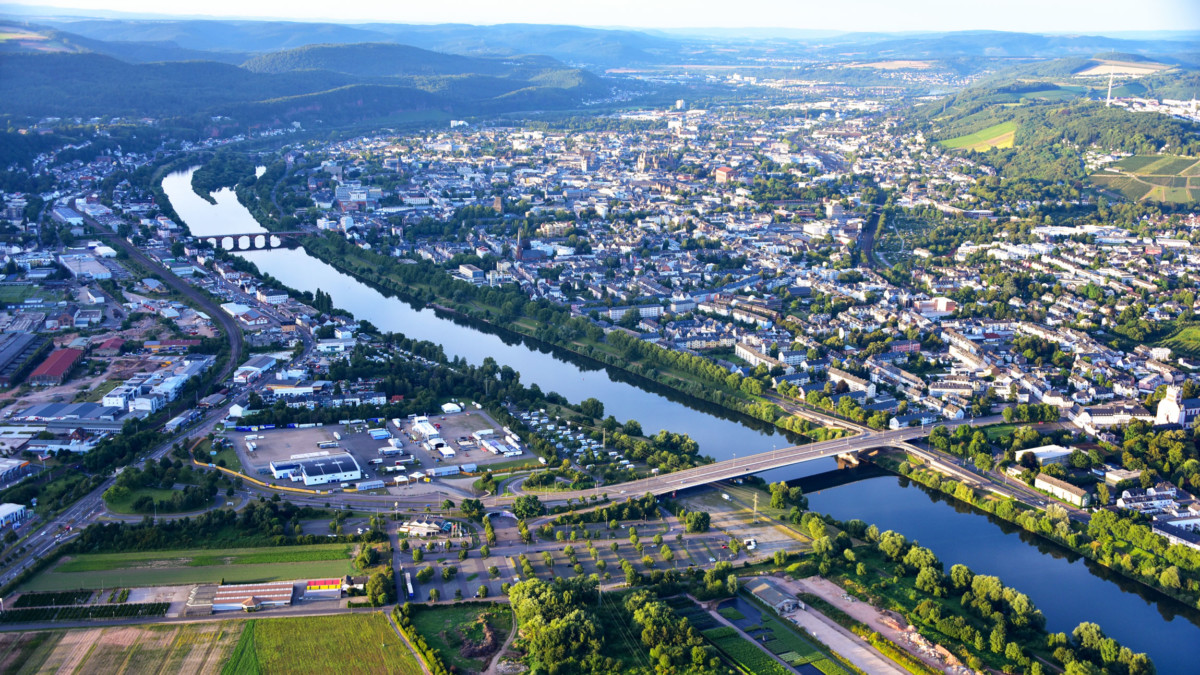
[(375, 59), (604, 47)]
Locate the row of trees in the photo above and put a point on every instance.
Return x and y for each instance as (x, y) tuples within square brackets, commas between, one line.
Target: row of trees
[(992, 623)]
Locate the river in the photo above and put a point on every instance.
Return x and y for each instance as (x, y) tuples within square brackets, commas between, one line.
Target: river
[(719, 436), (1067, 589)]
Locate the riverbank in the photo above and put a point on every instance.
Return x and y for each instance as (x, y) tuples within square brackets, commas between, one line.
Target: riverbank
[(1060, 531), (575, 336)]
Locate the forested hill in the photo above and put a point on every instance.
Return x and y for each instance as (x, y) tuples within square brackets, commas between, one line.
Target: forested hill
[(375, 60), (291, 86), (1053, 121)]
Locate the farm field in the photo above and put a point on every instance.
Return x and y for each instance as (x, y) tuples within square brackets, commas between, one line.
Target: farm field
[(1162, 178), (345, 643), (449, 629), (191, 648), (167, 568), (996, 136)]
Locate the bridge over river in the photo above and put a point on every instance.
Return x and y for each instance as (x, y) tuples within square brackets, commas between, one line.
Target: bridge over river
[(252, 241), (754, 463)]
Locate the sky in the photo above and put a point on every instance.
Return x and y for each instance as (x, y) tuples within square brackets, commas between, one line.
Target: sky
[(1047, 16)]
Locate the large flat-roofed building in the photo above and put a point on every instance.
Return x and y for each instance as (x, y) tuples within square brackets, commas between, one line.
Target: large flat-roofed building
[(253, 597), (84, 265), (1062, 490), (423, 428), (339, 468), (13, 467), (18, 353), (1047, 454), (54, 369), (254, 368), (12, 514)]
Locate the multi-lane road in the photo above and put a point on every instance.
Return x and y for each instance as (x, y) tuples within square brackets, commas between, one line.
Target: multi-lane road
[(756, 463)]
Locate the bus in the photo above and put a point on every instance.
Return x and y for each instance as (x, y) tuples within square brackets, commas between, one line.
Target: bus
[(325, 445), (408, 583)]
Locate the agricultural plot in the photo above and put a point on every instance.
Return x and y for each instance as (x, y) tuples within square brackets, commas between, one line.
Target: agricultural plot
[(1163, 178), (996, 136), (42, 614), (167, 568), (343, 643), (748, 656), (52, 599), (192, 648), (465, 635)]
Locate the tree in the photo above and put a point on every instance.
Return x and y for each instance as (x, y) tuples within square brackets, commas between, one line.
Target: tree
[(592, 407), (366, 557), (528, 506), (434, 595), (379, 589), (697, 521), (473, 509)]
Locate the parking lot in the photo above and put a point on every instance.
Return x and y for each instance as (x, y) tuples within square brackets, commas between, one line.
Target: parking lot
[(456, 430), (277, 445)]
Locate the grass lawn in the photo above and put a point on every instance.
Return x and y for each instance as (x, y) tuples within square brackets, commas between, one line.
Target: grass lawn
[(995, 431), (94, 395), (126, 505), (996, 136), (447, 628), (343, 643), (1185, 341), (16, 294), (164, 568)]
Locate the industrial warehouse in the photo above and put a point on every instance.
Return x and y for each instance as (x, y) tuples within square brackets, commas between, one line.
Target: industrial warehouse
[(252, 597), (318, 468)]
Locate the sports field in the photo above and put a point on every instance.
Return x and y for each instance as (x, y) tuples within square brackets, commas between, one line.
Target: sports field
[(996, 136), (342, 643), (192, 648), (170, 568), (1161, 178)]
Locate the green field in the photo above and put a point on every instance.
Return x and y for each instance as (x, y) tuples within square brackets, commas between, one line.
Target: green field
[(18, 293), (125, 505), (1184, 341), (996, 136), (447, 628), (1161, 178), (345, 643), (95, 394), (166, 568)]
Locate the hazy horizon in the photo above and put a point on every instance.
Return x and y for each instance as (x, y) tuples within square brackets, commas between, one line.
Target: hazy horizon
[(1098, 17)]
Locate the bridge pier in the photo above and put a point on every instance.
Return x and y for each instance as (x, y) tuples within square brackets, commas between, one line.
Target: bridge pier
[(847, 459)]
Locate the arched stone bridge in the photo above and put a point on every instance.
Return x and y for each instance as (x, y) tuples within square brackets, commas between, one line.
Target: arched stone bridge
[(252, 241)]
